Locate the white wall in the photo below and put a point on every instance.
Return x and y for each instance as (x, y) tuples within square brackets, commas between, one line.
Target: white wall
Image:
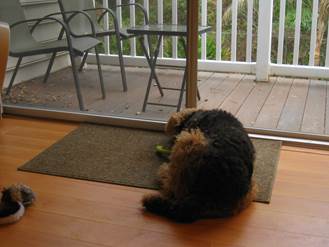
[(35, 66)]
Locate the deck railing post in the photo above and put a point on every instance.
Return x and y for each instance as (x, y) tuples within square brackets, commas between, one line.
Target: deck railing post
[(264, 40), (192, 53)]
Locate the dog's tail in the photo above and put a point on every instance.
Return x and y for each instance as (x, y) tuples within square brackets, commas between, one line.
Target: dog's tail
[(184, 211)]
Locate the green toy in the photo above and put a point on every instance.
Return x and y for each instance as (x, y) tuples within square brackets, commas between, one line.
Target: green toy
[(162, 151)]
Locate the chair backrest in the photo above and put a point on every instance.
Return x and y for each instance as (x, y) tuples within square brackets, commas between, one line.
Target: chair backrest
[(79, 24), (141, 16), (11, 11)]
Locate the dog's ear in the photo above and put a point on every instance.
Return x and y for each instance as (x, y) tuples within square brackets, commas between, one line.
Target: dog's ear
[(186, 159), (176, 120), (189, 143)]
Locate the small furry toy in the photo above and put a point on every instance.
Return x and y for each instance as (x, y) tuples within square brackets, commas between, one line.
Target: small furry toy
[(13, 202), (210, 167)]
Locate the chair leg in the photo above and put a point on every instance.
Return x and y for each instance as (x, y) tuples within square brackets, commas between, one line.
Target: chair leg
[(83, 62), (181, 93), (122, 66), (50, 65), (14, 75), (100, 73), (77, 82)]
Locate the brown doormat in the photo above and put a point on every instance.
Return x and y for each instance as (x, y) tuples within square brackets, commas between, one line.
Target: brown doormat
[(127, 157)]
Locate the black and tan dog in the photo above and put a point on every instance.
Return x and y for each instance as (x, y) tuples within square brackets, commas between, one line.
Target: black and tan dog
[(209, 173)]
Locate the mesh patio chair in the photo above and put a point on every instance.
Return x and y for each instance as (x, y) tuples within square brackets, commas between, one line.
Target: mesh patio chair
[(79, 29), (24, 44)]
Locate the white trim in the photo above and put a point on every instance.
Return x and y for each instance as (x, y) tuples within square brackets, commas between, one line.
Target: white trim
[(249, 30), (234, 29), (204, 65), (31, 3), (327, 48), (314, 31), (174, 20), (132, 14), (106, 27), (219, 10), (299, 71), (160, 21), (298, 21), (221, 66), (281, 31), (264, 40), (204, 15)]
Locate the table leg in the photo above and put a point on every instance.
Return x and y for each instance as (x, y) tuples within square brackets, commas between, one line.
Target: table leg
[(151, 59)]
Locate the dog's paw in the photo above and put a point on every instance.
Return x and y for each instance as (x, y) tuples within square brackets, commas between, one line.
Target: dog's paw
[(155, 204)]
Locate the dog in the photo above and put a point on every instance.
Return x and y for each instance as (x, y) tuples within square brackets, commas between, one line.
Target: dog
[(210, 168)]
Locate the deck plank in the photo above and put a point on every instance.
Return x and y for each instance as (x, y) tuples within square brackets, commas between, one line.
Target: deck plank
[(291, 105), (293, 111), (315, 109), (250, 109), (235, 100), (327, 111), (270, 113), (217, 89)]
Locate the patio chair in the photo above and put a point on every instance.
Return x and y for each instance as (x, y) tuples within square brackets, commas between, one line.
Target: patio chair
[(79, 29), (24, 44)]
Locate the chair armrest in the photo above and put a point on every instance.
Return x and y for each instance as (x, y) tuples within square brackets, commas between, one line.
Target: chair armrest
[(73, 14), (146, 18)]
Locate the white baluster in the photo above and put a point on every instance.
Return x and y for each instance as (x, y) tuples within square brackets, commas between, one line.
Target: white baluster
[(219, 11)]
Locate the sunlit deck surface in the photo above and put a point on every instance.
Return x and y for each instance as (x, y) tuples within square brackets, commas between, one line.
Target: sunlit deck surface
[(285, 104)]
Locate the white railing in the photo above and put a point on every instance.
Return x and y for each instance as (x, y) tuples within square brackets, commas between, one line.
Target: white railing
[(262, 57)]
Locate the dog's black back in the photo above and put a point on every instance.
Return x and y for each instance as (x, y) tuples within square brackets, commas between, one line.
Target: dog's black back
[(230, 155)]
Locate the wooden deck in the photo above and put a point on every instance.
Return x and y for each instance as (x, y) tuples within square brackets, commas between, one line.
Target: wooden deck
[(70, 212), (285, 104)]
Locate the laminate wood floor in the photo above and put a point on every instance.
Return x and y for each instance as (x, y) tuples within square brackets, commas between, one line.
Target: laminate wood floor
[(71, 212)]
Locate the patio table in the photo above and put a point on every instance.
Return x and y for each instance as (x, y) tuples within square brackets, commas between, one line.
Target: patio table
[(151, 57)]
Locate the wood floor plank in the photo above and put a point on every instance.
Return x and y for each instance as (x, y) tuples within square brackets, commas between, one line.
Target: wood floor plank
[(271, 111), (315, 109), (13, 237), (293, 111), (249, 111), (305, 150), (267, 219), (234, 101)]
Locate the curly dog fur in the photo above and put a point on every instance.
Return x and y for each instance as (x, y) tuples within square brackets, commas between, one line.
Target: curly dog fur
[(209, 173)]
